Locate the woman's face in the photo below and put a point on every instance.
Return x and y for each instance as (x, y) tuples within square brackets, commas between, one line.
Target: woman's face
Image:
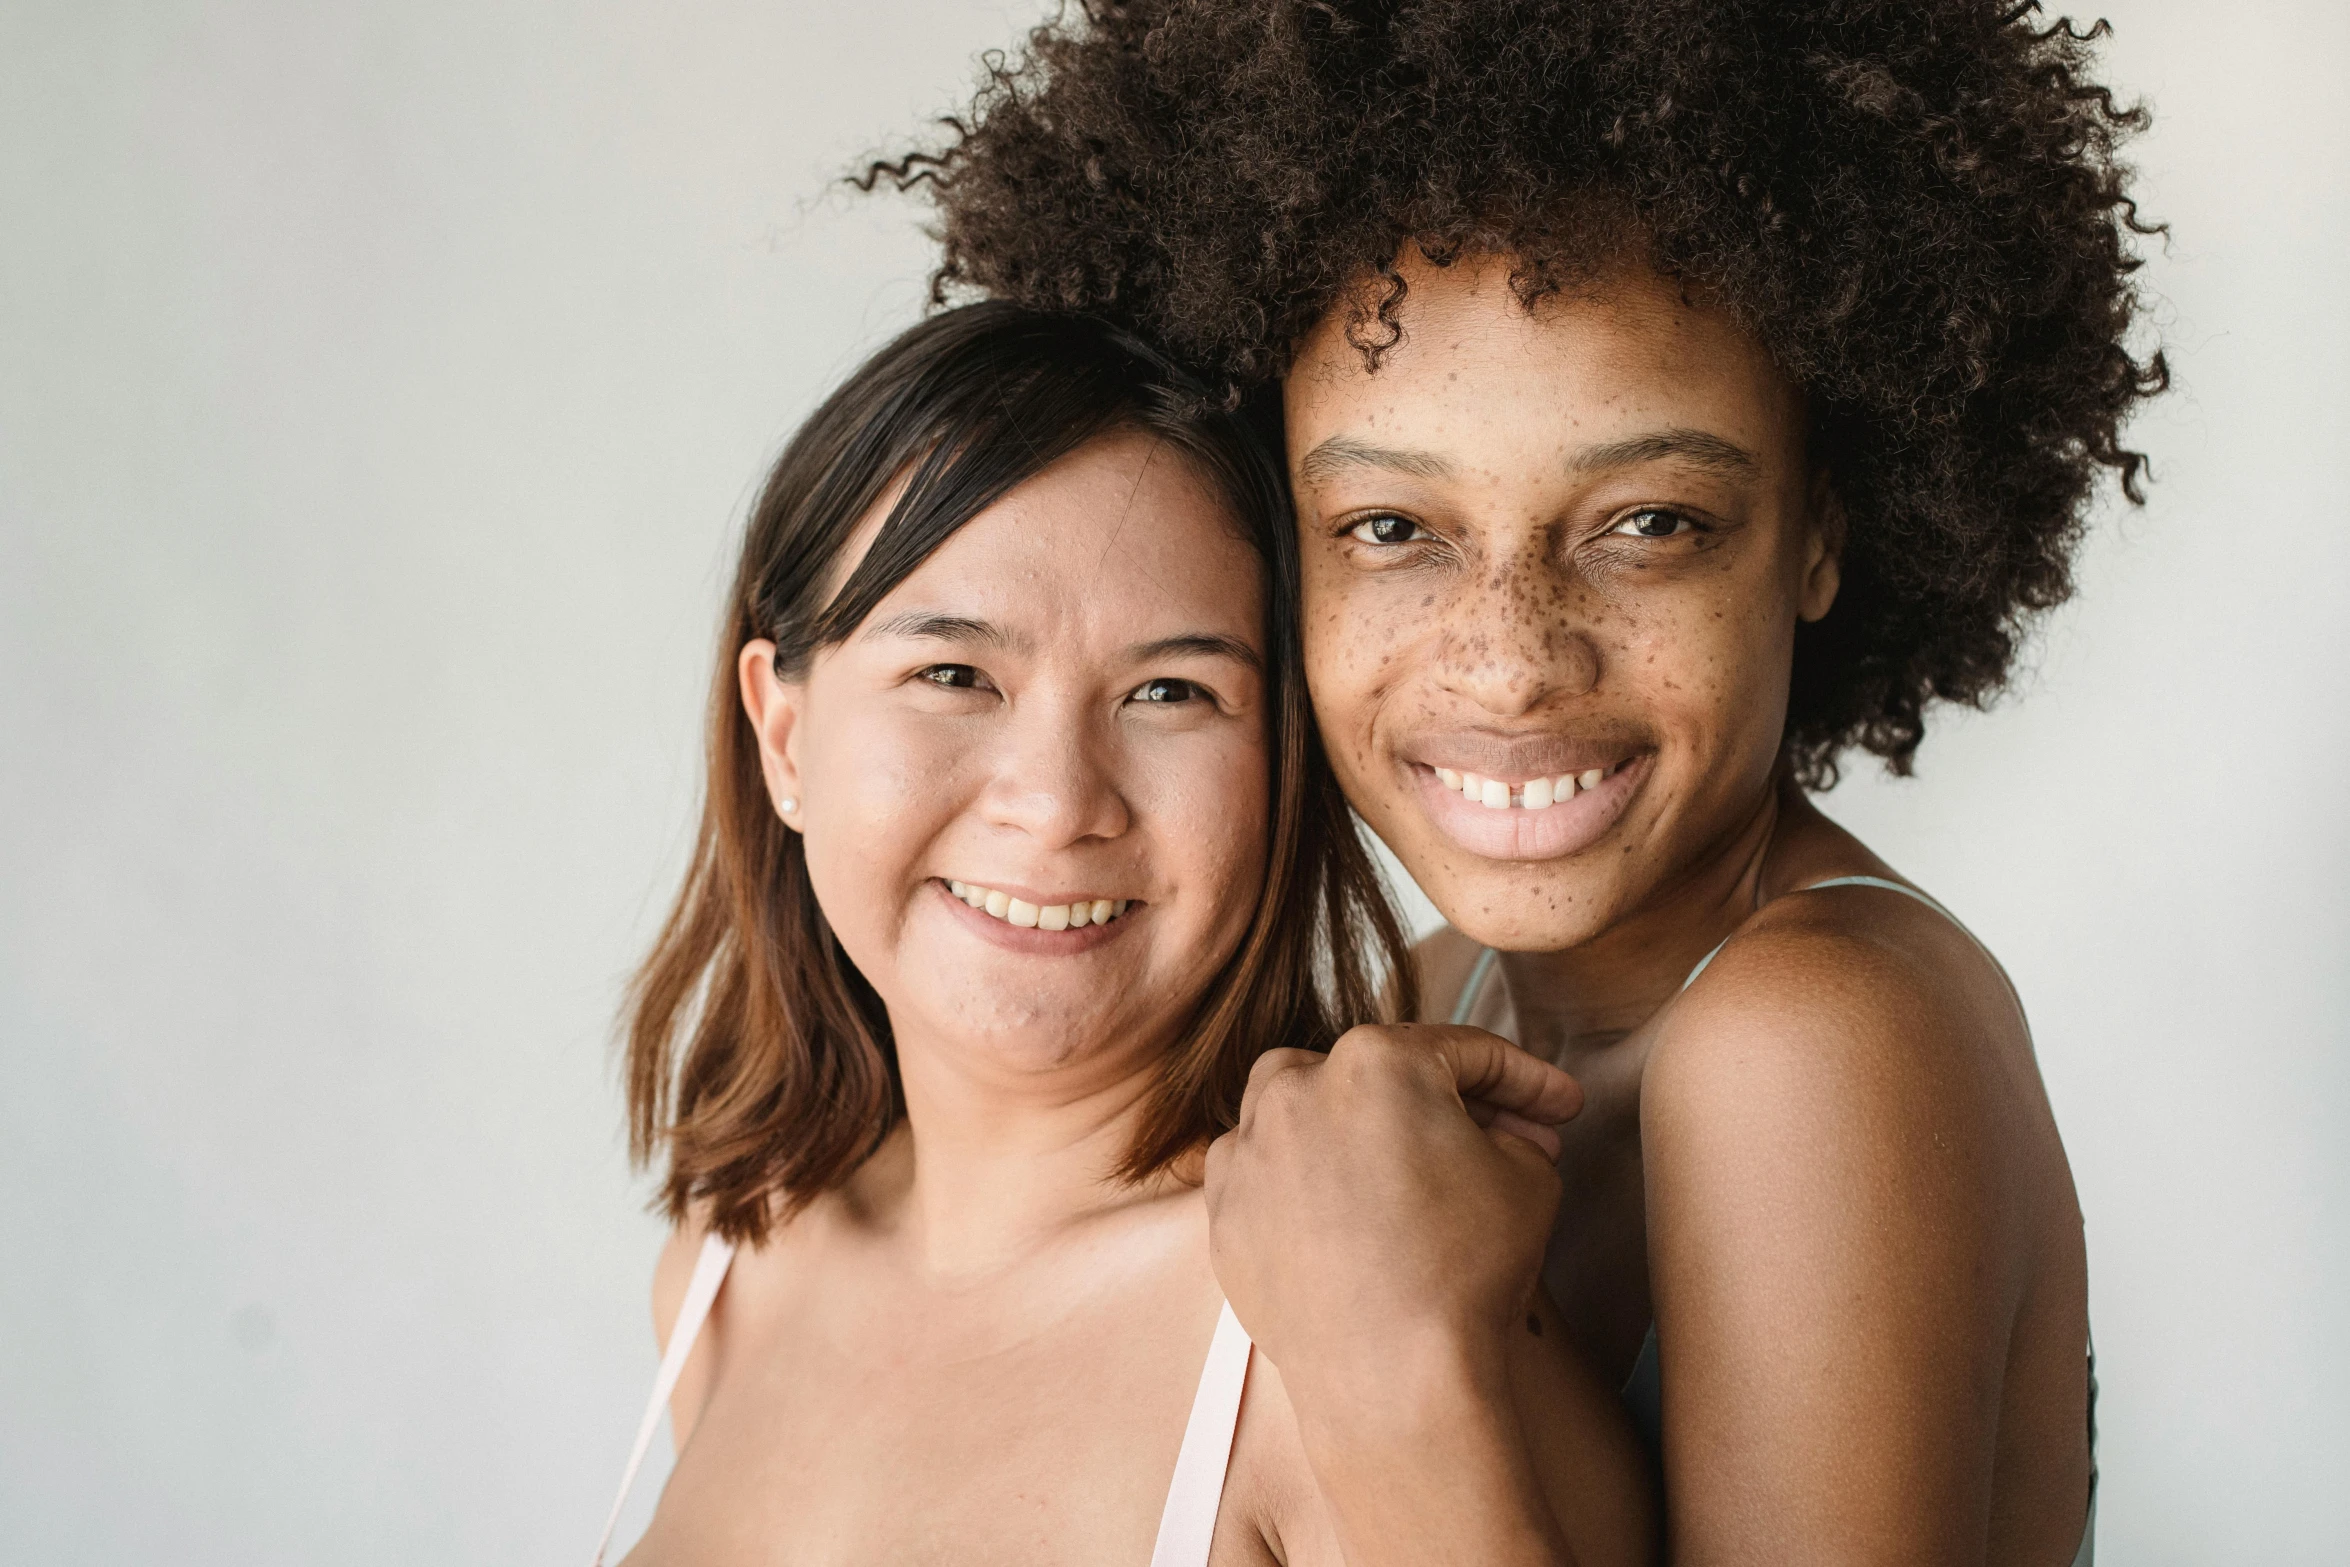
[(1034, 783), (1553, 562)]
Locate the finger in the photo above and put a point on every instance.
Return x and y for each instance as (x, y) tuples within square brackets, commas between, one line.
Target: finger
[(1276, 1061), (1488, 1067), (1494, 1118), (1265, 1069), (1506, 1123), (1214, 1167)]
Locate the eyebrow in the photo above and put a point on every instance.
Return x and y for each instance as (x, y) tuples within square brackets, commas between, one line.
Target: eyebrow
[(1342, 452), (1694, 447), (969, 629), (943, 628), (1206, 644)]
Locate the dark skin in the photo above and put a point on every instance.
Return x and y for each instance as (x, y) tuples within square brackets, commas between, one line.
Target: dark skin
[(1572, 543)]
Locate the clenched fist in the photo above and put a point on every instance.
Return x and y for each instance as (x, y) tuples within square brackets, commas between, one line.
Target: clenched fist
[(1390, 1199)]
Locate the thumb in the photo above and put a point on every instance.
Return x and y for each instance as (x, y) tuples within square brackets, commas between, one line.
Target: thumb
[(1488, 1067), (1505, 1125)]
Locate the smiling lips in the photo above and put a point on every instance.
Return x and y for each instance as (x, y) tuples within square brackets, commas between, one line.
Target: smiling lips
[(1033, 916), (1539, 818), (1535, 794)]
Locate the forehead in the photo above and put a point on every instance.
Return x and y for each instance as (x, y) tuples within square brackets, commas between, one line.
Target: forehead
[(1121, 535), (1479, 375)]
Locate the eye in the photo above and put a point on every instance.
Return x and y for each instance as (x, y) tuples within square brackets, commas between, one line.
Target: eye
[(1386, 528), (1653, 522), (1164, 692), (955, 677)]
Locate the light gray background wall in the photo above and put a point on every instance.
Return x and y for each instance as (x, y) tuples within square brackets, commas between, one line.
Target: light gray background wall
[(380, 384)]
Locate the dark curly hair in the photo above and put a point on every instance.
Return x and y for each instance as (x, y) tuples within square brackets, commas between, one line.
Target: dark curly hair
[(1915, 204)]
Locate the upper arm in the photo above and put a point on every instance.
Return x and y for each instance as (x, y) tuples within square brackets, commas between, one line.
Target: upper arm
[(672, 1272), (1834, 1260)]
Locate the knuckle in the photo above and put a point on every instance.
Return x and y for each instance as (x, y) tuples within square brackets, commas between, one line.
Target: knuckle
[(1273, 1063), (1372, 1042), (1216, 1174), (1283, 1094)]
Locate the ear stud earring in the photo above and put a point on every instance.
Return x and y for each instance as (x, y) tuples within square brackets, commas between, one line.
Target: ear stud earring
[(788, 804)]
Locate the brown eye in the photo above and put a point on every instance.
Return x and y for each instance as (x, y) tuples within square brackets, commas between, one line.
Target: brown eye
[(1386, 528), (1653, 522), (956, 677), (1167, 691)]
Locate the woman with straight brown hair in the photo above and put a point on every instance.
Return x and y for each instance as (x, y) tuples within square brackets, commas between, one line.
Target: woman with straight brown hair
[(1019, 850)]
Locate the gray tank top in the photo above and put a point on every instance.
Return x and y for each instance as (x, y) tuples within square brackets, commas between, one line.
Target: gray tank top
[(1643, 1391)]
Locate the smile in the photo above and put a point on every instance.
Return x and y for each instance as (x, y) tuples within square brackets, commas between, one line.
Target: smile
[(1542, 818), (1072, 915), (1535, 794)]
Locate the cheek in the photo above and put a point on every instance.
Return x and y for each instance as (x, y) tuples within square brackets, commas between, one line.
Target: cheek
[(1212, 820), (1708, 666), (1356, 649), (876, 792)]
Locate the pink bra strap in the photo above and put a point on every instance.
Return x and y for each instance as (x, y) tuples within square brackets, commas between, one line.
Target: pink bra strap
[(709, 1273), (1186, 1528), (1188, 1525)]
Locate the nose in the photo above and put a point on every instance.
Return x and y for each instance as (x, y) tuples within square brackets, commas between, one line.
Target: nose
[(1054, 777), (1511, 637)]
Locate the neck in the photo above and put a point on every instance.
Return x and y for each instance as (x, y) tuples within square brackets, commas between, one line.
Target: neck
[(1573, 1004), (993, 1163)]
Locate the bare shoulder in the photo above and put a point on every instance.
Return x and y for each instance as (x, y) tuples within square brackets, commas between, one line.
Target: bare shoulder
[(1445, 958), (1835, 976), (1843, 1005), (1860, 1219), (1848, 1090), (673, 1273)]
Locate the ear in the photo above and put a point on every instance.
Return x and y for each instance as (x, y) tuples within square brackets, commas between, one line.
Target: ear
[(1823, 568), (773, 706)]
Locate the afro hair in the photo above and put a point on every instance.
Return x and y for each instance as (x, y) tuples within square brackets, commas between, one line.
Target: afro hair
[(1916, 205)]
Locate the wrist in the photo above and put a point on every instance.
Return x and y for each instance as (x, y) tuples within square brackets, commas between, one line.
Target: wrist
[(1417, 1449), (1397, 1387)]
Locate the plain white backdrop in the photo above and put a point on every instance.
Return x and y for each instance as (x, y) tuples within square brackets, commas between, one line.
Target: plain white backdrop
[(380, 388)]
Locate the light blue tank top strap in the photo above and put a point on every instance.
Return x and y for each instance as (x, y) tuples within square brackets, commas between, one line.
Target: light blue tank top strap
[(1853, 881), (1643, 1392), (1474, 986)]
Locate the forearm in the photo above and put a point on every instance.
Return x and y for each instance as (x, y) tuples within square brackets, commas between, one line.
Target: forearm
[(1422, 1459)]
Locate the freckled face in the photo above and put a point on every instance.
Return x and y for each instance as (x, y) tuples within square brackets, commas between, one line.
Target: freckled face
[(1553, 564), (1061, 706)]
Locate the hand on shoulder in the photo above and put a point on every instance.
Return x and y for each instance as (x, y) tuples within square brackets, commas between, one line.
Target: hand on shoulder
[(1384, 1249), (1355, 1179)]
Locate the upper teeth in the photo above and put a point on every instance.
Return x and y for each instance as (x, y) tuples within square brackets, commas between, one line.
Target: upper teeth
[(1049, 916), (1532, 795)]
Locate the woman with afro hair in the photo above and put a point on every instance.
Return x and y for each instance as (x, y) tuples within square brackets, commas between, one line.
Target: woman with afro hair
[(1678, 395)]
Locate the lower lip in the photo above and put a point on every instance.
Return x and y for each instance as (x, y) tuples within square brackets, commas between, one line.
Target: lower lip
[(1024, 938), (1515, 833)]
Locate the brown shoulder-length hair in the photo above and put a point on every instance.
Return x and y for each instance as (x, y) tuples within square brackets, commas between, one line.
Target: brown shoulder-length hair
[(759, 1061)]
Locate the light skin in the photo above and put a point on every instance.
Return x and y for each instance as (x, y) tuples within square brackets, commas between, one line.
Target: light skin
[(983, 1347), (1575, 541)]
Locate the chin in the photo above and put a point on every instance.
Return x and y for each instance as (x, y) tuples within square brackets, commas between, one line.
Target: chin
[(1516, 907), (1535, 931), (1020, 1032)]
